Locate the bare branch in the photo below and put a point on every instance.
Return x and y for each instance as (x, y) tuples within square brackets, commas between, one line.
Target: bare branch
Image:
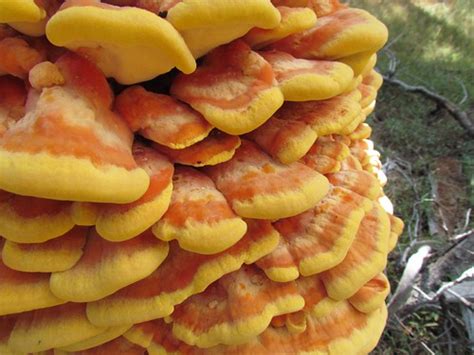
[(466, 222), (457, 257), (463, 300), (395, 40), (468, 274), (461, 116), (405, 286), (465, 94)]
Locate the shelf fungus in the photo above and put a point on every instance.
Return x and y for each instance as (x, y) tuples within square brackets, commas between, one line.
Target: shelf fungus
[(24, 291), (155, 296), (325, 117), (54, 255), (106, 267), (234, 309), (326, 155), (53, 327), (33, 220), (117, 40), (207, 24), (119, 222), (26, 16), (343, 33), (344, 331), (285, 140), (199, 217), (293, 20), (372, 295), (118, 345), (369, 87), (365, 259), (306, 80), (258, 187), (191, 177), (91, 162), (318, 239), (215, 149), (234, 89), (161, 118)]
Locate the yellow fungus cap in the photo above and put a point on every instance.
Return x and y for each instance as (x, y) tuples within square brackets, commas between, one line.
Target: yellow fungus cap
[(293, 20), (161, 118), (106, 267), (234, 89), (215, 149), (343, 331), (58, 254), (365, 259), (286, 140), (109, 334), (91, 162), (85, 213), (24, 291), (33, 220), (118, 222), (118, 345), (369, 87), (118, 40), (156, 296), (234, 309), (396, 229), (199, 217), (363, 131), (28, 16), (52, 328), (325, 116), (317, 302), (341, 34), (372, 295), (206, 24), (306, 80), (258, 187), (326, 155), (360, 62), (360, 182), (318, 239), (20, 11)]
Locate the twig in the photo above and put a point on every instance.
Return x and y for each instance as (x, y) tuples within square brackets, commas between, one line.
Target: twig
[(462, 299), (410, 333), (467, 220), (403, 291), (467, 274), (465, 94), (392, 62), (461, 236), (393, 41), (461, 116)]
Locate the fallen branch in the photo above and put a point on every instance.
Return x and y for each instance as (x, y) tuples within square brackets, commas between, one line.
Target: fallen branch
[(456, 257), (455, 111), (405, 286)]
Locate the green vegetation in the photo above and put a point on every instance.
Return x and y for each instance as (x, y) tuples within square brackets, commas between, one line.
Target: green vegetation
[(433, 44)]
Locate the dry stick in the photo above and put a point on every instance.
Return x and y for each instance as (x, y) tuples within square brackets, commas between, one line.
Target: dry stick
[(446, 287), (455, 111), (459, 115), (405, 286)]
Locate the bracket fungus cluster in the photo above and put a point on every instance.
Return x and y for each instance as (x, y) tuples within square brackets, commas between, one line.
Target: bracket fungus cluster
[(190, 177)]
